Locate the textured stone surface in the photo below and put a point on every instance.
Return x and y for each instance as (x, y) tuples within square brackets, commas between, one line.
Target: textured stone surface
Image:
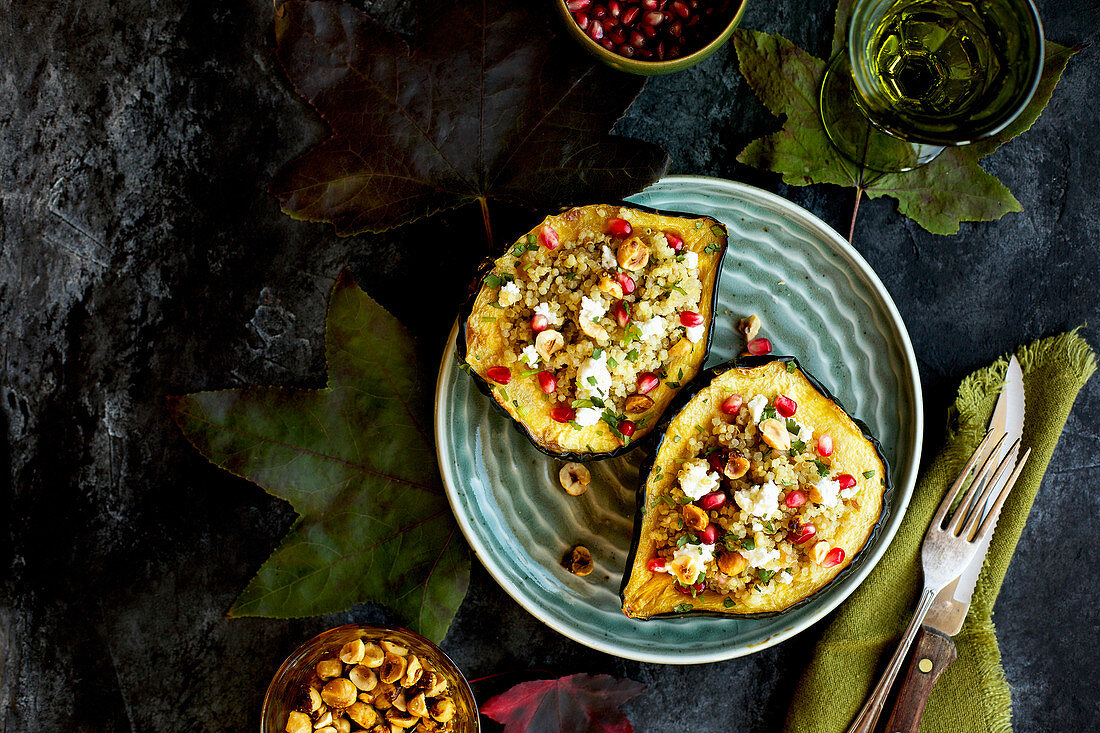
[(140, 257)]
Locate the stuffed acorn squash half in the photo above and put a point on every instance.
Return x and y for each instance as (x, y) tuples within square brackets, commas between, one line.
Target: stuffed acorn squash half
[(589, 325), (762, 491)]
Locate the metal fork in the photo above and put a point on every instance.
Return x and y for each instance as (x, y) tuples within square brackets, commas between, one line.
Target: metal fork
[(949, 545)]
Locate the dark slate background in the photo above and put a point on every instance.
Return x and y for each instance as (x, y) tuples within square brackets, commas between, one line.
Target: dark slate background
[(141, 257)]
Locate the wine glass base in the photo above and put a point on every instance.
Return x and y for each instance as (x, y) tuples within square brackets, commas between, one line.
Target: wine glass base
[(855, 136)]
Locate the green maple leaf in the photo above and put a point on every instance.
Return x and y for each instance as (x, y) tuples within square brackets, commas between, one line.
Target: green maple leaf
[(489, 104), (951, 189), (356, 461)]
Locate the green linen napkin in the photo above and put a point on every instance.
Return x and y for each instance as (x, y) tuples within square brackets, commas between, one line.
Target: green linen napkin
[(972, 696)]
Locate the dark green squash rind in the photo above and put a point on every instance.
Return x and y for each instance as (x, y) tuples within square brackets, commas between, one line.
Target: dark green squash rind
[(701, 381), (486, 268)]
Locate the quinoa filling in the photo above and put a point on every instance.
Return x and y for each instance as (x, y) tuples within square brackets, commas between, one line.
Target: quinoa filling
[(756, 507), (596, 320)]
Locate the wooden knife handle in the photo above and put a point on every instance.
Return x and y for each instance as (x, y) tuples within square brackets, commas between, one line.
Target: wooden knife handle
[(932, 652)]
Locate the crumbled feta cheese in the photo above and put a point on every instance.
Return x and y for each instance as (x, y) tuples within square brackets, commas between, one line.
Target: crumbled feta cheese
[(785, 577), (695, 559), (509, 294), (587, 417), (592, 310), (543, 309), (756, 407), (759, 501), (696, 478), (758, 557), (653, 329), (694, 333), (593, 378), (529, 355), (850, 492), (691, 259), (608, 259), (805, 433), (829, 490)]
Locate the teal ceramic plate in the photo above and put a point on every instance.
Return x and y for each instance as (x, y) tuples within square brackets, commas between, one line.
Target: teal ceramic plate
[(819, 300)]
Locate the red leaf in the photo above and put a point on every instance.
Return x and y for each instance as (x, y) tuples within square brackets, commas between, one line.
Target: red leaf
[(579, 703)]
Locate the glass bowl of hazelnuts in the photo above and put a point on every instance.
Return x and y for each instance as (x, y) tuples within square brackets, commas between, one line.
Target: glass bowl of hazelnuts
[(379, 679)]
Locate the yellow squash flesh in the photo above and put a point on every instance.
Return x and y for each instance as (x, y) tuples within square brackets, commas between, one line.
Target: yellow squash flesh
[(523, 400), (646, 594)]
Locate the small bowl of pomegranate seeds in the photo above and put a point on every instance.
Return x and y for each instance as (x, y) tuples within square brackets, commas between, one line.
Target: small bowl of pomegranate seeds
[(651, 36)]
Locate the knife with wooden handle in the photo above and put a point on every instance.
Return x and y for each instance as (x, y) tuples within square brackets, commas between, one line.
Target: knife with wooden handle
[(933, 649)]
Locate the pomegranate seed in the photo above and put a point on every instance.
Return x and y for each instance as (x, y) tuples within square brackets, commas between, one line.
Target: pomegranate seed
[(617, 37), (619, 228), (713, 500), (825, 445), (622, 315), (627, 283), (630, 14), (681, 9), (649, 30), (717, 461), (834, 558), (563, 414), (656, 565), (548, 237), (614, 7), (644, 53), (647, 382), (625, 50), (637, 40), (690, 318), (627, 427), (732, 404), (674, 52), (575, 6), (582, 20), (608, 44), (661, 50), (676, 29), (801, 532), (709, 535), (688, 589), (653, 18), (595, 31), (501, 374), (785, 406), (609, 24), (759, 347), (795, 499), (539, 323), (599, 12), (846, 480), (651, 4), (547, 382), (674, 241)]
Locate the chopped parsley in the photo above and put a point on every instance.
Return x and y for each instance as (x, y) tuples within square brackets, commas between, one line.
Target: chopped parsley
[(683, 540), (633, 355), (683, 608), (766, 575), (712, 248), (797, 446), (729, 603), (792, 367), (769, 413), (577, 404), (769, 527), (868, 474), (792, 426), (822, 467), (611, 362), (717, 231), (592, 381), (492, 281), (597, 352), (748, 543)]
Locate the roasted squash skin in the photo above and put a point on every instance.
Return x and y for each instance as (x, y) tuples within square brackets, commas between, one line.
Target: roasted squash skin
[(648, 595), (523, 402)]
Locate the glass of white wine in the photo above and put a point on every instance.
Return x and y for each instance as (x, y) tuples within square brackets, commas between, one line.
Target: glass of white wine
[(920, 75)]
